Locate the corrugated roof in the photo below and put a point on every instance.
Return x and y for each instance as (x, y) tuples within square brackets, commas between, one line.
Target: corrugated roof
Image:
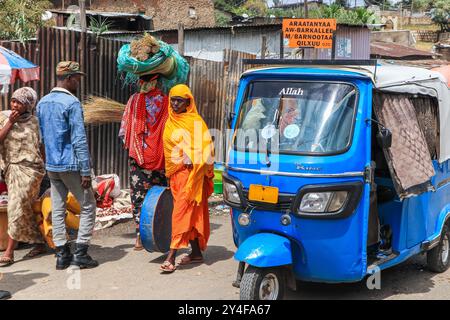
[(427, 63), (387, 50), (248, 25), (104, 14)]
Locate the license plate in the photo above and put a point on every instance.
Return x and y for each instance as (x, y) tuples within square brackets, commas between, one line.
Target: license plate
[(262, 193)]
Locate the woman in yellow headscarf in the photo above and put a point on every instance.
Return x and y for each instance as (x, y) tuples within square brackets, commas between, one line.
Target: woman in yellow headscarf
[(189, 156)]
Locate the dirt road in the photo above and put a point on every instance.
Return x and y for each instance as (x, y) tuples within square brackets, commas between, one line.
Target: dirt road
[(127, 274)]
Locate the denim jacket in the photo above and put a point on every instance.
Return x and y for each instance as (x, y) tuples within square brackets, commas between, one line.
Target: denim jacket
[(62, 128)]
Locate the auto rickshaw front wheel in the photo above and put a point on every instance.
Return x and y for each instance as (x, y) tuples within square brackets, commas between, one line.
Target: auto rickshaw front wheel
[(438, 258), (262, 284)]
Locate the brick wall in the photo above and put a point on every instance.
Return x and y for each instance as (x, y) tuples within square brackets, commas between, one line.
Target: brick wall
[(166, 13)]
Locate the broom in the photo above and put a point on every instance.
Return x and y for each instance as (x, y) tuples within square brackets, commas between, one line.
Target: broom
[(98, 110)]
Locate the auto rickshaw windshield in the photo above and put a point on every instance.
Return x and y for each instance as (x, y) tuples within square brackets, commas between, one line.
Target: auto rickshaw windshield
[(296, 117)]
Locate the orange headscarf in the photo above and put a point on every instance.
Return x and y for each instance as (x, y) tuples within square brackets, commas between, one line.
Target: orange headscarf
[(187, 133)]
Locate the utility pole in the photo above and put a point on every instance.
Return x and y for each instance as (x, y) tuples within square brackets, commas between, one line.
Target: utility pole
[(306, 8), (411, 13), (83, 22), (263, 47)]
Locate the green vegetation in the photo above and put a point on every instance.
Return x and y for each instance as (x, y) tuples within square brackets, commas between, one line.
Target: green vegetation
[(258, 8), (99, 26), (358, 16), (440, 14), (20, 19), (221, 19), (439, 9)]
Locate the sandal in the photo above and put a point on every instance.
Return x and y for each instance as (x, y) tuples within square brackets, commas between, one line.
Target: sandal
[(188, 260), (36, 251), (6, 261), (168, 267)]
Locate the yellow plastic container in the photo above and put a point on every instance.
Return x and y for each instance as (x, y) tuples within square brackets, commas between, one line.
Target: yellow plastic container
[(72, 218)]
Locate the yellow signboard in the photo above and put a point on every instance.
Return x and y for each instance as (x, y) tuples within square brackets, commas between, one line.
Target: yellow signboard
[(309, 33)]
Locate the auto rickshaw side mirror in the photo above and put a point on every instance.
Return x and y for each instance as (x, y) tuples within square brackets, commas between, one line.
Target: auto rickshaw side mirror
[(230, 118), (384, 138)]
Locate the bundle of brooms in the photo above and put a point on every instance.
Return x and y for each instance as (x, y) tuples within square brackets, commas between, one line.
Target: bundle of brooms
[(98, 110)]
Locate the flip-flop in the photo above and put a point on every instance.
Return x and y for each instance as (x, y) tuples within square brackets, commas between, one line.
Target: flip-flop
[(167, 267), (5, 261), (188, 260), (34, 253)]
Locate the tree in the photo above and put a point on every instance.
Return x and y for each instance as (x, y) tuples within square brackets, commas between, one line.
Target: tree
[(256, 7), (227, 5), (20, 19), (420, 5), (440, 14)]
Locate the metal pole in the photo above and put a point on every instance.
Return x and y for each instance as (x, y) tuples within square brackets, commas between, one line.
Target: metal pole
[(281, 45), (333, 47), (263, 47)]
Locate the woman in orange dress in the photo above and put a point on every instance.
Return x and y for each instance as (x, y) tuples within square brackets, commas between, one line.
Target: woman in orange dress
[(189, 157)]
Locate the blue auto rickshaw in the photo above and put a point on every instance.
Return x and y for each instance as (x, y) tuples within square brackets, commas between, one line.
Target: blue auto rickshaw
[(336, 171)]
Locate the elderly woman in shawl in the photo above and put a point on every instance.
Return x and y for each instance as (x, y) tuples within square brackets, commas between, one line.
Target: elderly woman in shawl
[(23, 166), (189, 157)]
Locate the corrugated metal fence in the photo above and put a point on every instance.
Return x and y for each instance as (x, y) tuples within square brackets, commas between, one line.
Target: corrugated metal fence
[(213, 85)]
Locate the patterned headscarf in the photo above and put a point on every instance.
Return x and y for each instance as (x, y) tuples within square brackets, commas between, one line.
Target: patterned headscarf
[(28, 97)]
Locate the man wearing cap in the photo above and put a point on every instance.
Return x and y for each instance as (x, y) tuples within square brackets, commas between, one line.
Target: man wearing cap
[(68, 163)]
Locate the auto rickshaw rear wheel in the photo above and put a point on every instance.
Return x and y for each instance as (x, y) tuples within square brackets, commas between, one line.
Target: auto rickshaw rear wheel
[(262, 284), (438, 258)]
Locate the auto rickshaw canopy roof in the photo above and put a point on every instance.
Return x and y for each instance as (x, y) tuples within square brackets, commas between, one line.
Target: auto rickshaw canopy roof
[(393, 79)]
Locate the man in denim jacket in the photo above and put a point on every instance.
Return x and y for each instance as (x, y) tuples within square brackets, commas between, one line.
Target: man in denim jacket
[(68, 163)]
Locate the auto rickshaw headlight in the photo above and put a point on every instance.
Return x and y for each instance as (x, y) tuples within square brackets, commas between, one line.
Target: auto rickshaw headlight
[(230, 192), (321, 202), (338, 200)]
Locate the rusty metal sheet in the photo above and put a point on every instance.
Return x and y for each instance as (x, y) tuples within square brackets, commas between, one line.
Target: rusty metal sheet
[(386, 50)]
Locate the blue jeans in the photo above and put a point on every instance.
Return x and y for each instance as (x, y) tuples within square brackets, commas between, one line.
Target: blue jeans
[(61, 183)]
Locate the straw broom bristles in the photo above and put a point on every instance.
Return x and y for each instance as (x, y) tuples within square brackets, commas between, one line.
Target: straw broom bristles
[(102, 110)]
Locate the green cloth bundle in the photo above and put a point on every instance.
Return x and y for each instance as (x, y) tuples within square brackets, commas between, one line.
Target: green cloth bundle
[(135, 68)]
